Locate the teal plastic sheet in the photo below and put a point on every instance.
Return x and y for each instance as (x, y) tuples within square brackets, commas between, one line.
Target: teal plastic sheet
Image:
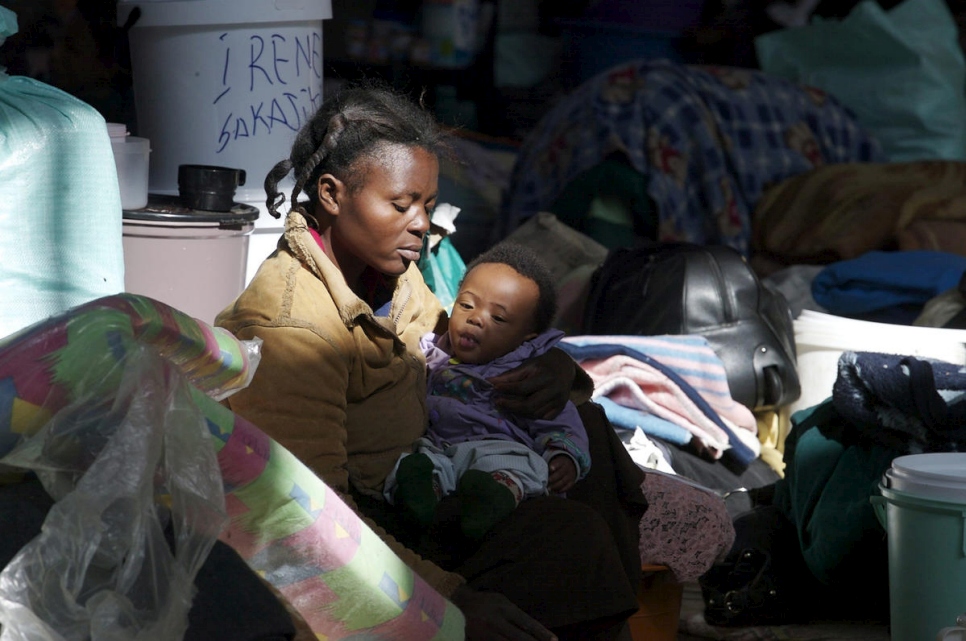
[(442, 268), (900, 71), (8, 24)]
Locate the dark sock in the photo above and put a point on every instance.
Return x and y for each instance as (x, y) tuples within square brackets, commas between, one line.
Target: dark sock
[(484, 502), (415, 491)]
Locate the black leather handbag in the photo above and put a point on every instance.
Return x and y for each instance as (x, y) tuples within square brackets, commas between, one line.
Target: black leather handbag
[(683, 288), (763, 580)]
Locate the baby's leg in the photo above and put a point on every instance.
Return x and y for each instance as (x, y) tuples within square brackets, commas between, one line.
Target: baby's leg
[(416, 492), (496, 476), (420, 480), (486, 498)]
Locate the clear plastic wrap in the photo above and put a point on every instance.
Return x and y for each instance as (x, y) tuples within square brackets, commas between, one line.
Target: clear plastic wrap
[(48, 363), (108, 405), (138, 505)]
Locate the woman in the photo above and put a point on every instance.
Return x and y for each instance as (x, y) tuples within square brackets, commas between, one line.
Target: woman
[(340, 307)]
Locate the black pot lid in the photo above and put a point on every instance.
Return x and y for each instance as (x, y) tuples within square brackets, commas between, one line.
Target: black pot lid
[(165, 208)]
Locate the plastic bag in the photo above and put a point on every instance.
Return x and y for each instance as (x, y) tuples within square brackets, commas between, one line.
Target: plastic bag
[(60, 203), (901, 71), (442, 268), (441, 265), (47, 365), (128, 471), (8, 25), (109, 403)]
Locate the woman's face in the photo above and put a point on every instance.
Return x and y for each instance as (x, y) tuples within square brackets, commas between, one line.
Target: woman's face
[(381, 224), (493, 313)]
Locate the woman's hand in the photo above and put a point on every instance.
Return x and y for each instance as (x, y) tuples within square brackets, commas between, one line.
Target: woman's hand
[(562, 474), (539, 388), (492, 617)]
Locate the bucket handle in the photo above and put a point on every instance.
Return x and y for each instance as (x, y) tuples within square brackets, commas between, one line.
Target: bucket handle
[(879, 505), (953, 633)]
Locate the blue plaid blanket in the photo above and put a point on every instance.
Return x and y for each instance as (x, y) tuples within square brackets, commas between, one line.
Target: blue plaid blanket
[(709, 141)]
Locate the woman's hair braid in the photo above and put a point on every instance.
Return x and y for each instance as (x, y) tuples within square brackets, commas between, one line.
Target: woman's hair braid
[(352, 125)]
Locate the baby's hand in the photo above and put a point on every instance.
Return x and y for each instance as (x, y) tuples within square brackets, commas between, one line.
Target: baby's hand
[(562, 474)]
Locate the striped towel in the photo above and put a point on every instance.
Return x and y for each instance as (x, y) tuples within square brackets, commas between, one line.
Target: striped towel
[(677, 378)]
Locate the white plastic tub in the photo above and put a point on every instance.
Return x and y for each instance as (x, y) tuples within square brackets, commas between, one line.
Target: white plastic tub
[(131, 156), (821, 338)]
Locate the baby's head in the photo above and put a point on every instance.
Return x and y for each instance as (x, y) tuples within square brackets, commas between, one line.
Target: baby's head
[(507, 297)]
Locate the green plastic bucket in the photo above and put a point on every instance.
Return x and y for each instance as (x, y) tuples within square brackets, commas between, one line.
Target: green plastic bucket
[(924, 514)]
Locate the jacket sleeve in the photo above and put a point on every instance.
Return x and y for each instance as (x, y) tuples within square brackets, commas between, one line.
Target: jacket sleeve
[(565, 433), (298, 397)]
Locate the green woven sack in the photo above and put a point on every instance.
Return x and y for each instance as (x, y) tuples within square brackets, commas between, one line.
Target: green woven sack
[(60, 204)]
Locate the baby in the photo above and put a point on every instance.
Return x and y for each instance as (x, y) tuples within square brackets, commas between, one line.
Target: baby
[(490, 460)]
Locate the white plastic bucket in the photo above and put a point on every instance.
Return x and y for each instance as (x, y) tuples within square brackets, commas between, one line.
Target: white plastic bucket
[(923, 509), (224, 82), (821, 338)]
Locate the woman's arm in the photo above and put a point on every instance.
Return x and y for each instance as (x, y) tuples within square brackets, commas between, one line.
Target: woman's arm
[(490, 615), (562, 442), (541, 387)]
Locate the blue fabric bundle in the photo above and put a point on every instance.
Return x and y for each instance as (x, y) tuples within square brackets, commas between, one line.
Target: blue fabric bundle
[(909, 404), (880, 280)]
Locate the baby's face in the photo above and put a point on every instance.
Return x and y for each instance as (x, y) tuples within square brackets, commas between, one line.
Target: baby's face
[(493, 313)]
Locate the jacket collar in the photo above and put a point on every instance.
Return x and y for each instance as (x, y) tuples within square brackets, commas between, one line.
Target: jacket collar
[(304, 247)]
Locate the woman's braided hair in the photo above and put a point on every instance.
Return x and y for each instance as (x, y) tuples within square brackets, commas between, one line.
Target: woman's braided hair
[(353, 124)]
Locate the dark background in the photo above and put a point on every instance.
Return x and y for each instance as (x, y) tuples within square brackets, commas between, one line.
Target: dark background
[(77, 46)]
